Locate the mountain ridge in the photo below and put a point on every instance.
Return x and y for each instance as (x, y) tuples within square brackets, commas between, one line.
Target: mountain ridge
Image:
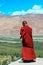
[(12, 24)]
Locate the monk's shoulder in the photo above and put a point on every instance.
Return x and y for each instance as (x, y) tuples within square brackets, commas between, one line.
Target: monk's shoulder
[(30, 27)]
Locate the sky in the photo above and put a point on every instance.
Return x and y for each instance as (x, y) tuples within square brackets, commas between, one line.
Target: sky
[(21, 7)]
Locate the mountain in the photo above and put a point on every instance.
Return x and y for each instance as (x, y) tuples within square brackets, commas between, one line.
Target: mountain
[(11, 24)]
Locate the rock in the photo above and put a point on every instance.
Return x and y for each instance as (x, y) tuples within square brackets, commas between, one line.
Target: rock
[(39, 61)]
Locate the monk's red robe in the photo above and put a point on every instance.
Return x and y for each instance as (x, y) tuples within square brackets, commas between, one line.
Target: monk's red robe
[(27, 43)]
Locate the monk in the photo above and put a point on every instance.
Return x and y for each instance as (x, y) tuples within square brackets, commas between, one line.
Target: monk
[(28, 53)]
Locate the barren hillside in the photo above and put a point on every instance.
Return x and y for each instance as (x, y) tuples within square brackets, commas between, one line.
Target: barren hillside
[(12, 24)]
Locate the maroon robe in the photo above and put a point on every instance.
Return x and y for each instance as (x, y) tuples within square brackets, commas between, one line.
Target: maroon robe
[(27, 43)]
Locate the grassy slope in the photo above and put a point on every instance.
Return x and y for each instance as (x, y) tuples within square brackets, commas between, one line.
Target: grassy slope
[(13, 48)]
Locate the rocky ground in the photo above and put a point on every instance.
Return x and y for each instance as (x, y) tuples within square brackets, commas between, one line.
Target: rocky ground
[(39, 61)]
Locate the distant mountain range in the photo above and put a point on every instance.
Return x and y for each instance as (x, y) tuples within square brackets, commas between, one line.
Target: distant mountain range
[(12, 24)]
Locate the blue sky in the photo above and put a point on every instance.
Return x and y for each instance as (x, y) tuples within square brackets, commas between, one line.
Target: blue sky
[(21, 7)]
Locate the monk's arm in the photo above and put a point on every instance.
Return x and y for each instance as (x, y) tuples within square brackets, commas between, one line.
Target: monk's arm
[(22, 33)]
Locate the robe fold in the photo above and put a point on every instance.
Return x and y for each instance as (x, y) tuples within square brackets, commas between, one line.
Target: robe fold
[(27, 43)]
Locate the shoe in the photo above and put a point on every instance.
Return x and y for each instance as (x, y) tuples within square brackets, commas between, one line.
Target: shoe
[(28, 61)]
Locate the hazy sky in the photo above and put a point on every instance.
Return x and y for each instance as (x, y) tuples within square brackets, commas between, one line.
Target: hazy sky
[(21, 7)]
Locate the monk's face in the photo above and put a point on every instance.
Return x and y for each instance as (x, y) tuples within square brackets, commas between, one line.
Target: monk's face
[(24, 23)]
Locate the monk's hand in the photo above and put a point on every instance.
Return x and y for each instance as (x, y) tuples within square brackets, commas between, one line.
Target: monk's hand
[(20, 37)]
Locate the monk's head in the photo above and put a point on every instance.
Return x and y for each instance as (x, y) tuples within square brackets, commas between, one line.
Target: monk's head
[(24, 23)]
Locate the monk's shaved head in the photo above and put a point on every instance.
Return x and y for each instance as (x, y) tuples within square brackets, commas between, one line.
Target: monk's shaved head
[(24, 22)]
